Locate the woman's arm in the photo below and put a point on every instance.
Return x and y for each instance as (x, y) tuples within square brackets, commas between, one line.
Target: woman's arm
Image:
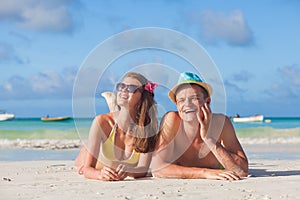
[(142, 168), (97, 134)]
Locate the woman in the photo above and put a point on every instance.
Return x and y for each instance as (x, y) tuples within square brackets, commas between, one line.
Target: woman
[(120, 143)]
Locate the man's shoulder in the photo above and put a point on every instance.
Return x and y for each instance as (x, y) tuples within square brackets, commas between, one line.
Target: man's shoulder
[(223, 125), (218, 118), (169, 125), (172, 116)]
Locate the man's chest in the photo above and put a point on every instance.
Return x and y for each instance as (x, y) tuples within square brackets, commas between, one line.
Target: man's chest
[(195, 154)]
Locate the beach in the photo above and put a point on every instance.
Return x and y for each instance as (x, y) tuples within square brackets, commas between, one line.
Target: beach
[(36, 162), (269, 177)]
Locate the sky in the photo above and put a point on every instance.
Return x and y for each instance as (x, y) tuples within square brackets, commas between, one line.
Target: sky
[(255, 46)]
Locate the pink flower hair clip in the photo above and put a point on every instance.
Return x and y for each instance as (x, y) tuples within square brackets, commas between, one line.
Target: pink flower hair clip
[(150, 86)]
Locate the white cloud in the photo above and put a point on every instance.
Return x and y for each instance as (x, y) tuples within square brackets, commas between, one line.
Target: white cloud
[(51, 15), (48, 84), (54, 85), (231, 28), (15, 88), (286, 87)]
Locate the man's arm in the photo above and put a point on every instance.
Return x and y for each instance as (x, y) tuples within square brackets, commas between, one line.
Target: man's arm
[(163, 161), (161, 168), (227, 149)]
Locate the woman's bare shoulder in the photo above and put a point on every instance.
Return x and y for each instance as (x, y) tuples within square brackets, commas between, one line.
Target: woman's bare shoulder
[(105, 121)]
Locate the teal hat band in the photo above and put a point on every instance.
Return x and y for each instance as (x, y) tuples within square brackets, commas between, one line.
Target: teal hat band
[(188, 76)]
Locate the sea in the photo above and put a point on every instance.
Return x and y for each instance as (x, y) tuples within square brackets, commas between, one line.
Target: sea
[(33, 139)]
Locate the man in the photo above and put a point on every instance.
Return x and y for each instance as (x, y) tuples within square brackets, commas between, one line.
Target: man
[(194, 142)]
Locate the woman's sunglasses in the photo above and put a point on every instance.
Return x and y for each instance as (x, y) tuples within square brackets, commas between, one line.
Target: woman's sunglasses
[(129, 88)]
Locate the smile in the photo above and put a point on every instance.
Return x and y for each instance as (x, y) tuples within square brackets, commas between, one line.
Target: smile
[(123, 96), (189, 111)]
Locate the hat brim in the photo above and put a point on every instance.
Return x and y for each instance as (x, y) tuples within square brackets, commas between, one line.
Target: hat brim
[(172, 92)]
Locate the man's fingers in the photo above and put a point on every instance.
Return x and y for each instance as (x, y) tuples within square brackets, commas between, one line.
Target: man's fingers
[(200, 115), (206, 111), (228, 175), (207, 107)]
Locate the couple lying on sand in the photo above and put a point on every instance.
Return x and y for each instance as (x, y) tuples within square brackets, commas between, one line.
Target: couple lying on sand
[(190, 143)]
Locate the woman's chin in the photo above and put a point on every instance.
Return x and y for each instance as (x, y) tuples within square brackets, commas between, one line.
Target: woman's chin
[(122, 102)]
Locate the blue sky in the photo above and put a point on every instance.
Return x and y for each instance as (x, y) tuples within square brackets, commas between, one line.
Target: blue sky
[(254, 44)]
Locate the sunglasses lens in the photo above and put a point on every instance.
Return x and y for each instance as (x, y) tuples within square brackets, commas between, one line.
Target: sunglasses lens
[(130, 88), (120, 86)]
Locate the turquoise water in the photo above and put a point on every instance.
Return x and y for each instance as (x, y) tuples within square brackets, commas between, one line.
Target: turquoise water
[(282, 130), (277, 127), (36, 123), (276, 123), (34, 128)]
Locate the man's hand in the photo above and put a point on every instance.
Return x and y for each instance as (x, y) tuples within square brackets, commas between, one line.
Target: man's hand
[(217, 174), (204, 117)]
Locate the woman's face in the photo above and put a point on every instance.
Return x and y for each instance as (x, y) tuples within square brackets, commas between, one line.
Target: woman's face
[(129, 92)]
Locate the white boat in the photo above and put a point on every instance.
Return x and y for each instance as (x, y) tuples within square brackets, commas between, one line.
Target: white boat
[(254, 118), (6, 116), (48, 119)]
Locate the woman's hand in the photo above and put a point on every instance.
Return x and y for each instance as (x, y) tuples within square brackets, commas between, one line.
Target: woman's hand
[(122, 171), (108, 174)]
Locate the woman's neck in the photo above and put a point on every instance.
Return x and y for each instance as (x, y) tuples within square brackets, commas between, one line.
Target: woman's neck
[(126, 119)]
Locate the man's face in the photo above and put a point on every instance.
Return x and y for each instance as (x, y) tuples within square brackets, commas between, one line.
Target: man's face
[(189, 99)]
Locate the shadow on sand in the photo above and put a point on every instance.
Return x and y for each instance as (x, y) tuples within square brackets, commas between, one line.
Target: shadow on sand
[(268, 171)]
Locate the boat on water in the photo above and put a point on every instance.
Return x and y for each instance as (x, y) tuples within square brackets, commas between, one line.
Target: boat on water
[(253, 118), (51, 119), (6, 116)]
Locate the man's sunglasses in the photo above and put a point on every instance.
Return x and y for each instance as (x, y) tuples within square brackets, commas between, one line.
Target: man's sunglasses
[(129, 88)]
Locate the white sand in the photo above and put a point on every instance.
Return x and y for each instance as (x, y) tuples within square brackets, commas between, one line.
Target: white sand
[(269, 179)]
